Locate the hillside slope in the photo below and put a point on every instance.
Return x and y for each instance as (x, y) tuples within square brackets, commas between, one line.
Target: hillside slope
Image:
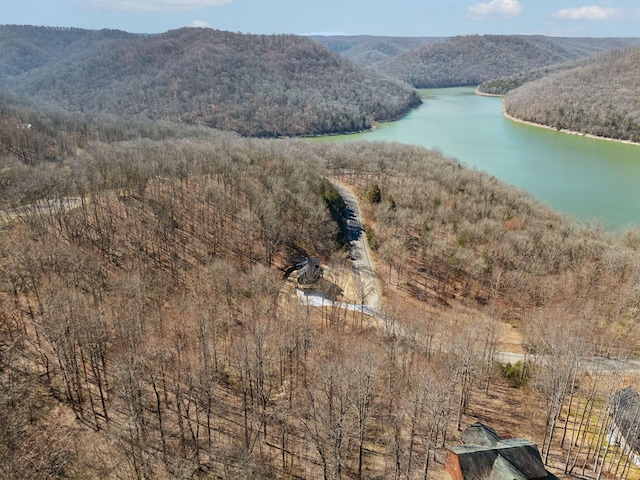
[(599, 98), (251, 84), (24, 48), (501, 86), (147, 329), (471, 60)]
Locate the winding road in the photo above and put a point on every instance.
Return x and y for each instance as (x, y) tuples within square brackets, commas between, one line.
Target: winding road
[(367, 284), (368, 288)]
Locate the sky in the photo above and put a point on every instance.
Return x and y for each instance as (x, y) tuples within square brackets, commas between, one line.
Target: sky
[(574, 18)]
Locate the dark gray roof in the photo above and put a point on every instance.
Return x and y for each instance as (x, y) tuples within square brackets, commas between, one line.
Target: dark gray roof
[(480, 434), (503, 469), (485, 456), (476, 461), (309, 270)]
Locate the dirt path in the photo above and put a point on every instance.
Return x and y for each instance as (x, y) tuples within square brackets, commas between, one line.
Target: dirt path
[(42, 207)]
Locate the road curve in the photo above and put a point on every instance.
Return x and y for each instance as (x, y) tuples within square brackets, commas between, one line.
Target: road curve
[(367, 284)]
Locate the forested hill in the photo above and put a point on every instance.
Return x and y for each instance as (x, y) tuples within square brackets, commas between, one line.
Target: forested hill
[(251, 84), (503, 85), (368, 50), (471, 60), (599, 98), (24, 48), (146, 329)]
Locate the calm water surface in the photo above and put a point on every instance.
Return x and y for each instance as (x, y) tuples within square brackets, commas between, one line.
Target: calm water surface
[(585, 178)]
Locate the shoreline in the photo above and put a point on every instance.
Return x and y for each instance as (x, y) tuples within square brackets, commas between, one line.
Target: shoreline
[(571, 132), (337, 134), (482, 94), (374, 126)]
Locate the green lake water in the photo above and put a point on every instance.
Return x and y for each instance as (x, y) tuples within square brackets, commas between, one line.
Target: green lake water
[(588, 179)]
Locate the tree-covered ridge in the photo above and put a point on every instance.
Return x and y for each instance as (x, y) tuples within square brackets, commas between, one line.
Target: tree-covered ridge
[(368, 50), (471, 60), (251, 84), (24, 48), (599, 98), (501, 86), (32, 134)]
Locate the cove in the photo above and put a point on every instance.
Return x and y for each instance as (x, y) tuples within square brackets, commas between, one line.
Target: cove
[(585, 178)]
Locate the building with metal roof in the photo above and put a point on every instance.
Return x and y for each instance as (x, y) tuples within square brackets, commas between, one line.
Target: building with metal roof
[(487, 456)]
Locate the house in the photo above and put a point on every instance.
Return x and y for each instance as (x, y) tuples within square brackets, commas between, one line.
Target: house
[(625, 423), (309, 271), (484, 455)]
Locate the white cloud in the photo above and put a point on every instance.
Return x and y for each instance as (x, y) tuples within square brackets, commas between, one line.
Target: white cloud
[(495, 8), (153, 5), (200, 24), (592, 12)]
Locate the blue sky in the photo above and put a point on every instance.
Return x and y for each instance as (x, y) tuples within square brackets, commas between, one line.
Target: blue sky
[(595, 18)]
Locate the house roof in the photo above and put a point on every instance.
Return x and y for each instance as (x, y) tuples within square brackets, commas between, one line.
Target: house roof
[(491, 458), (480, 434), (626, 415), (477, 461), (309, 270), (503, 469)]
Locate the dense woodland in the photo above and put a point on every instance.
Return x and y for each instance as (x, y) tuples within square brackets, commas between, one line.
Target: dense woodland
[(148, 330), (255, 85), (599, 97), (24, 48), (149, 326), (471, 60)]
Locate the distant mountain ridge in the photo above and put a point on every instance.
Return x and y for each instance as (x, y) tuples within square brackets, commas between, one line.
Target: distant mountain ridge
[(368, 49), (24, 48), (256, 85), (471, 60)]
